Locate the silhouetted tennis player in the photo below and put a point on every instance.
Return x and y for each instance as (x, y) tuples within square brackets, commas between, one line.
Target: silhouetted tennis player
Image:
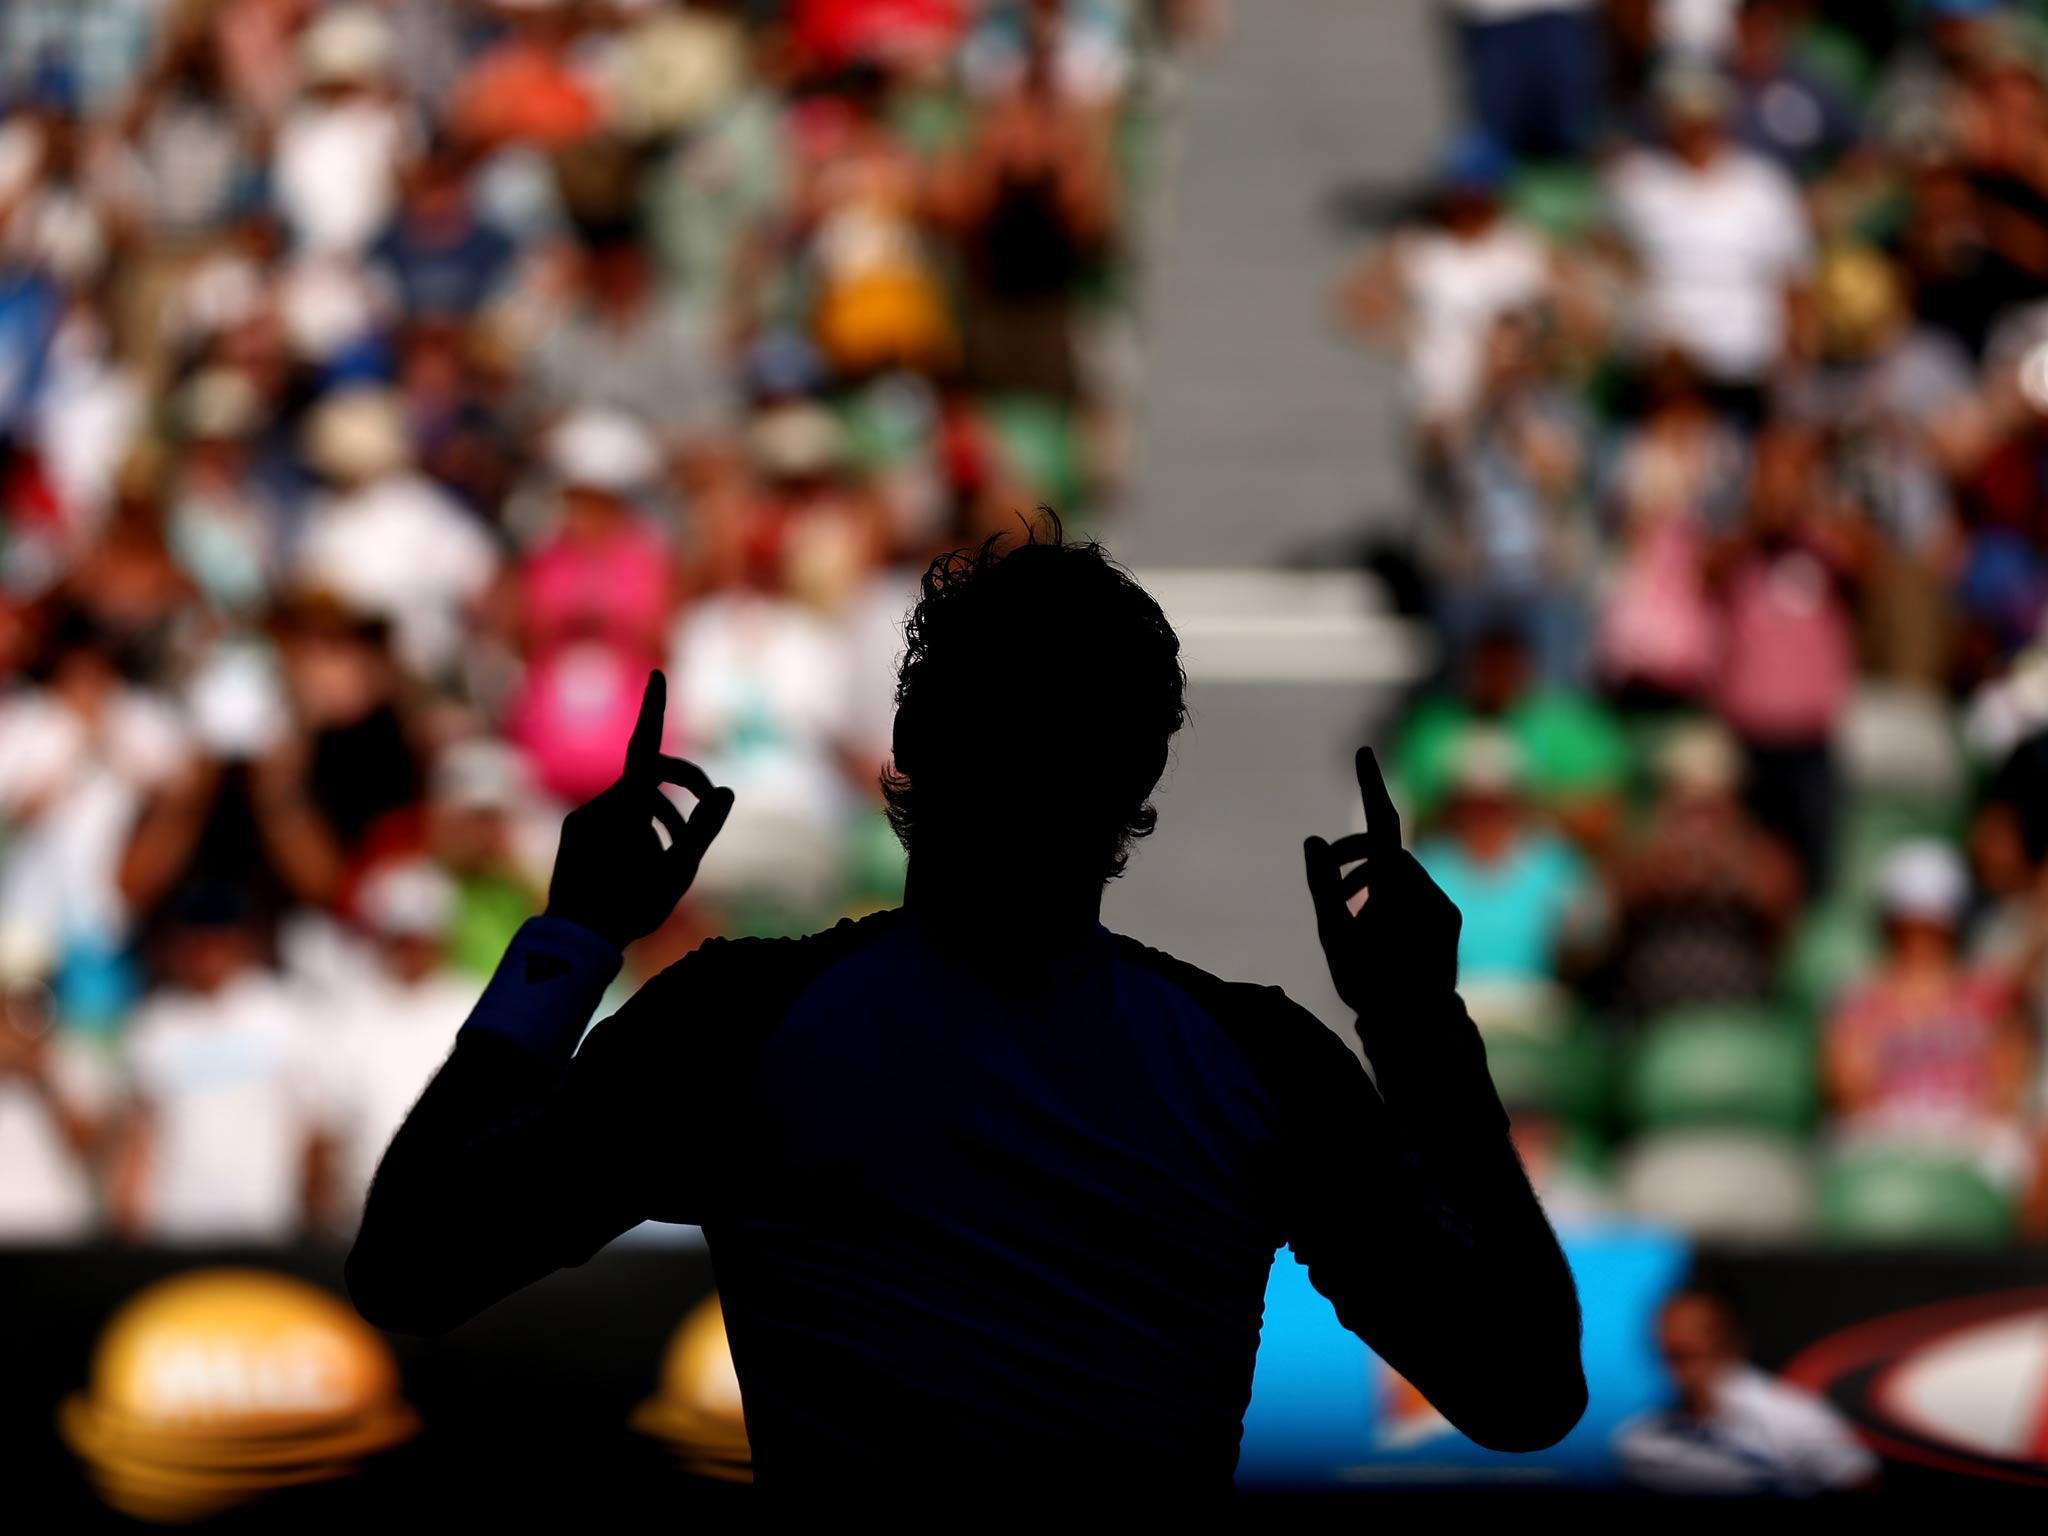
[(992, 1192)]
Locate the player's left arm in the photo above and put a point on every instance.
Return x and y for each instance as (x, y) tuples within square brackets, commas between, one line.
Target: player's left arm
[(1405, 1198)]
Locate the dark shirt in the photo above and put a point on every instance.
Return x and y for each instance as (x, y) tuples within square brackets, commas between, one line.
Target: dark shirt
[(969, 1223), (444, 275)]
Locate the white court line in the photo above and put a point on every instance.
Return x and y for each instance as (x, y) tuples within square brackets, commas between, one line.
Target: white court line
[(1242, 626)]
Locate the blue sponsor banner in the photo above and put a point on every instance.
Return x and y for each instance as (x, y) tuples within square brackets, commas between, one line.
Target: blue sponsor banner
[(1325, 1412)]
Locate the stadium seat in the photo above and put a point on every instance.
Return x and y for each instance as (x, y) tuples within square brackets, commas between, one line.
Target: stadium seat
[(1832, 946), (1907, 1196), (1560, 198), (1735, 1185), (1733, 1067), (1562, 1074), (1872, 825), (1901, 742)]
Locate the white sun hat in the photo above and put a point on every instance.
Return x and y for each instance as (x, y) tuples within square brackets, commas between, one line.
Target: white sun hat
[(346, 45), (603, 450)]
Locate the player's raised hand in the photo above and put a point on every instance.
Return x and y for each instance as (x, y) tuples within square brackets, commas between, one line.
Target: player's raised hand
[(614, 874), (1402, 944)]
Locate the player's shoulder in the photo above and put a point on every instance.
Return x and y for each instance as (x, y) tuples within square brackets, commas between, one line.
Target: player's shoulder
[(769, 965), (1280, 1037)]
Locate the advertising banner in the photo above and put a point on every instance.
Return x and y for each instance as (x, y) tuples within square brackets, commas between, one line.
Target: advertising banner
[(239, 1388)]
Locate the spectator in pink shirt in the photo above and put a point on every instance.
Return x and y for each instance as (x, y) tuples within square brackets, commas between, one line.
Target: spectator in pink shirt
[(1927, 1051), (1788, 662), (594, 600)]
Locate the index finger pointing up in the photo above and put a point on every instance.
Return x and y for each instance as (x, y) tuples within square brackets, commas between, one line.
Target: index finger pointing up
[(643, 748), (1382, 821)]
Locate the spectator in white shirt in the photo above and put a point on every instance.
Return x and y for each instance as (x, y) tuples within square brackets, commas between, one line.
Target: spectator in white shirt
[(763, 690), (1438, 286), (335, 166), (389, 1033), (81, 754), (1734, 1430), (218, 1145), (1721, 240), (54, 1092), (387, 541)]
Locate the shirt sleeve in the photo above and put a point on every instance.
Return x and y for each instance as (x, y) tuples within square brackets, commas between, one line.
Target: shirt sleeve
[(1824, 1448)]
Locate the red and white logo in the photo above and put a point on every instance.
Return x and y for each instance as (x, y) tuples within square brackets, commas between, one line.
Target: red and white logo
[(1961, 1386)]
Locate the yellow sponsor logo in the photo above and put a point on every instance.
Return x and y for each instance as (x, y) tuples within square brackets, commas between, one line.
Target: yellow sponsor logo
[(696, 1410), (213, 1387)]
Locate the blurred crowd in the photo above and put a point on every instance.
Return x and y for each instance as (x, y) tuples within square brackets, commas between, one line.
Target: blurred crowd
[(385, 387), (1725, 332)]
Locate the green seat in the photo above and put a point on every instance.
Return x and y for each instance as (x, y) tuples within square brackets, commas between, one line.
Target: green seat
[(1727, 1183), (1904, 1196), (1833, 946), (1561, 1075), (1561, 198), (1873, 825), (1721, 1066)]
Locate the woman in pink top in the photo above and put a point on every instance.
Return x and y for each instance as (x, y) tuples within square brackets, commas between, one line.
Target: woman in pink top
[(1788, 661), (594, 602), (1927, 1051)]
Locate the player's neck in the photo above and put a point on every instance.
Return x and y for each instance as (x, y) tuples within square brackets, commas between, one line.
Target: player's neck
[(997, 897)]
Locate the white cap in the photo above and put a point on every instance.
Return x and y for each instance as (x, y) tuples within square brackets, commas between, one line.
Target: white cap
[(408, 899), (345, 46), (603, 450), (1486, 761), (349, 44), (358, 433), (798, 439), (220, 403), (1923, 878), (480, 774), (1700, 757)]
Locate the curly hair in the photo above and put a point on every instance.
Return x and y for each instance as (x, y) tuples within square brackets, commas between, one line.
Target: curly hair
[(1039, 667)]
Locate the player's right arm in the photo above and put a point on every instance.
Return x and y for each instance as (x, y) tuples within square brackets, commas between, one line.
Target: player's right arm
[(527, 1152)]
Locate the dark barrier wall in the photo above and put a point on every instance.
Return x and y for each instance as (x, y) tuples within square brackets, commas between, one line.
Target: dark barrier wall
[(1941, 1359)]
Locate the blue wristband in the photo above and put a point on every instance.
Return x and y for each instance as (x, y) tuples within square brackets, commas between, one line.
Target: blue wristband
[(544, 991)]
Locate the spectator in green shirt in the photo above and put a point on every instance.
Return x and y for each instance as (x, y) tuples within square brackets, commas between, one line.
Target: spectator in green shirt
[(1576, 759)]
